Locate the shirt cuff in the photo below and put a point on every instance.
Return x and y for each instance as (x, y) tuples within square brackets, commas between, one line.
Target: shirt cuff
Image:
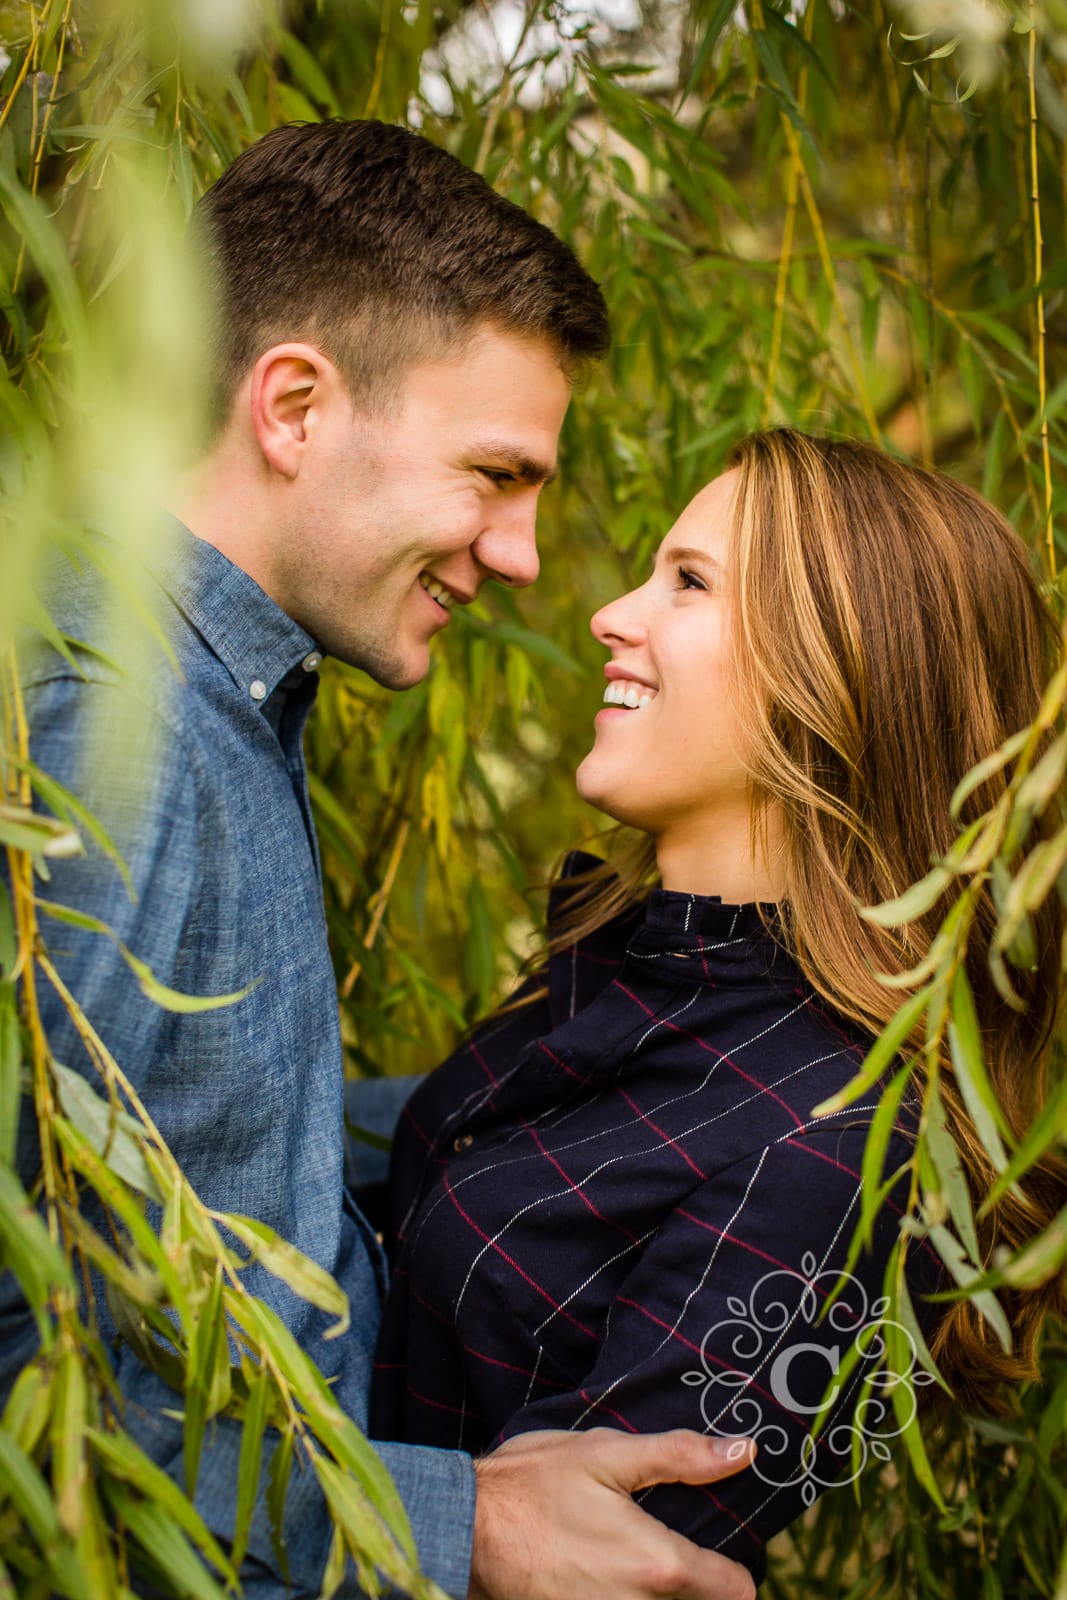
[(438, 1490), (373, 1104)]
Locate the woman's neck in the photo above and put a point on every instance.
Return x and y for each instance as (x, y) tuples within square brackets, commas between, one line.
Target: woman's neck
[(717, 856)]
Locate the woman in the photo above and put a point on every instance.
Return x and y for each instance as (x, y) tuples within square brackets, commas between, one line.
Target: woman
[(616, 1204)]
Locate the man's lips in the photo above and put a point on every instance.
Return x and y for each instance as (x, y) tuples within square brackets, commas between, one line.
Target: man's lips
[(444, 595)]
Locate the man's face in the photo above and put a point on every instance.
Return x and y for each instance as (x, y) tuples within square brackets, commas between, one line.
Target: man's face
[(401, 516)]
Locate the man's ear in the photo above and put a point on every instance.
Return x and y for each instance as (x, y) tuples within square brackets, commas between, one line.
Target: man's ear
[(291, 384)]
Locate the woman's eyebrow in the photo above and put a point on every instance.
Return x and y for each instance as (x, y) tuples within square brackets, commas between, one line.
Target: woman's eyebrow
[(684, 552)]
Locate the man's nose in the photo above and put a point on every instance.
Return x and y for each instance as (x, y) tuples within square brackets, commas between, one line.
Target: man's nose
[(507, 548)]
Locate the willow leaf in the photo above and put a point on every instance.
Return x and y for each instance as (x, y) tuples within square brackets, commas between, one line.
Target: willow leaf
[(988, 769), (971, 1281), (112, 1132), (1044, 779), (167, 999), (23, 1485), (69, 1463), (303, 1275), (124, 1459), (172, 999), (857, 1244), (909, 1321), (9, 944), (1042, 1134), (26, 1414), (965, 1043), (336, 1562), (207, 1337), (948, 1164), (331, 1425), (914, 903), (43, 240), (281, 1470), (251, 1461), (126, 1207), (1042, 1258), (874, 1151), (26, 1248), (1029, 888), (23, 829), (363, 1528), (898, 1360), (881, 1055), (10, 1073), (133, 1280), (74, 814), (163, 1540)]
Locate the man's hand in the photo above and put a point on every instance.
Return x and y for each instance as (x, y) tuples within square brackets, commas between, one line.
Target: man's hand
[(554, 1520)]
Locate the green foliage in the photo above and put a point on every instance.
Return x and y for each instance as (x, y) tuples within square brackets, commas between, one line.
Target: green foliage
[(820, 213)]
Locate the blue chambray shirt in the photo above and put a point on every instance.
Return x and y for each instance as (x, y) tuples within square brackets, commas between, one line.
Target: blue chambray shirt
[(201, 783)]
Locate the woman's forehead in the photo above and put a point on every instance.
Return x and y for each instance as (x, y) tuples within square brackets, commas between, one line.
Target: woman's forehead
[(705, 522)]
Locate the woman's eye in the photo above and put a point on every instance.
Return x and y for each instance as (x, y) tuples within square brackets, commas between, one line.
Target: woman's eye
[(689, 580)]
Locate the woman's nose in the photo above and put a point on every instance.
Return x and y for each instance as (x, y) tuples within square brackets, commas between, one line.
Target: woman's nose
[(619, 622)]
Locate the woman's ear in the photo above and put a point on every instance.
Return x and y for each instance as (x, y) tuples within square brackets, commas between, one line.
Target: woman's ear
[(291, 385)]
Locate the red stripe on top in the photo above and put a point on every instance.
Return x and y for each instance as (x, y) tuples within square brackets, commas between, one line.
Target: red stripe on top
[(503, 1254)]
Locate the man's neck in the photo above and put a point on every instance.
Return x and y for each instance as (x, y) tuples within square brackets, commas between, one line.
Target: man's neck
[(220, 500)]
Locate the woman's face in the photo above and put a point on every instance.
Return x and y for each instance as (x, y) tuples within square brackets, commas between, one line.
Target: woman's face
[(669, 759)]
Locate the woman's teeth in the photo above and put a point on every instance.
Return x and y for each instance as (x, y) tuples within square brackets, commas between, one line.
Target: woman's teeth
[(435, 590), (622, 693)]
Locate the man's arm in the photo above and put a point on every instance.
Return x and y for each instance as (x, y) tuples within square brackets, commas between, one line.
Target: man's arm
[(150, 809), (373, 1105)]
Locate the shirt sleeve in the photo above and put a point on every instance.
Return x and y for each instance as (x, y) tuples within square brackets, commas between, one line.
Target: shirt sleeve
[(137, 781), (436, 1486), (141, 782), (438, 1491), (718, 1328), (373, 1105)]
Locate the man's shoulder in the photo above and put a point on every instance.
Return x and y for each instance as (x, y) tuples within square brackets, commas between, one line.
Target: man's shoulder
[(106, 673), (101, 616)]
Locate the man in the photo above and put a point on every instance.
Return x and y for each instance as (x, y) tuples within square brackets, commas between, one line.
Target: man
[(391, 367)]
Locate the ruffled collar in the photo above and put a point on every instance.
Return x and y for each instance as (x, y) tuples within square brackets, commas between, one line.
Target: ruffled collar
[(711, 940), (676, 936)]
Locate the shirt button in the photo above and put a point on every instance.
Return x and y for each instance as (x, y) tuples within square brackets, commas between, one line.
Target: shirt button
[(462, 1142), (312, 662), (257, 689)]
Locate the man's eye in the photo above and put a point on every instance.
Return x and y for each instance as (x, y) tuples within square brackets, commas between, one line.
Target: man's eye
[(689, 580), (497, 475)]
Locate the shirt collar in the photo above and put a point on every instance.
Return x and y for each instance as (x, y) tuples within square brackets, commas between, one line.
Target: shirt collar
[(255, 640), (695, 937)]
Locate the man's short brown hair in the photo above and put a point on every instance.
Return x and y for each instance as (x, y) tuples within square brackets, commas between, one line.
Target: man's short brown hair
[(381, 249)]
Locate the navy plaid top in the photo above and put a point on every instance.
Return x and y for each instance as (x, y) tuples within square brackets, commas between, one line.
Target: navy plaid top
[(615, 1208)]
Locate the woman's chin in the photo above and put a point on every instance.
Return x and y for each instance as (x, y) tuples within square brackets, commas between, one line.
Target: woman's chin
[(596, 789), (585, 781)]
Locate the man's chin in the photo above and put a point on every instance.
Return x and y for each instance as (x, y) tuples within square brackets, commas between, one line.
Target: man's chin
[(389, 668)]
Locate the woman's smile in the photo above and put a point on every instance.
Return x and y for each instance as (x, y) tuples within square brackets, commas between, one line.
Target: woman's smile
[(671, 645)]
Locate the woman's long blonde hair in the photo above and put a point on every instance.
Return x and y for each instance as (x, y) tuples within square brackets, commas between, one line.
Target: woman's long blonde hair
[(889, 635)]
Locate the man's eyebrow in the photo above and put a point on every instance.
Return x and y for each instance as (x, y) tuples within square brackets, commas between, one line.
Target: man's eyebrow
[(525, 468)]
